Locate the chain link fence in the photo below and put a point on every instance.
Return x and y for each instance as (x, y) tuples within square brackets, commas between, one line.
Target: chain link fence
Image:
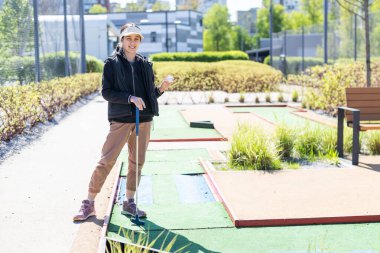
[(17, 40), (295, 50)]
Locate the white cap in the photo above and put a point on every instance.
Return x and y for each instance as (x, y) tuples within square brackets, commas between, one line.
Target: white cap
[(131, 30)]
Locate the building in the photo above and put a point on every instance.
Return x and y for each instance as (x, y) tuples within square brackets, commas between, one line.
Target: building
[(203, 5), (289, 5), (247, 20), (206, 4), (98, 34), (165, 31)]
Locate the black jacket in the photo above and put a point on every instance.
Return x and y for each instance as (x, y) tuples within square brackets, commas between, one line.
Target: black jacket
[(116, 91)]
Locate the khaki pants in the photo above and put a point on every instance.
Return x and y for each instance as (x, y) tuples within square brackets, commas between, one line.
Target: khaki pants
[(119, 134)]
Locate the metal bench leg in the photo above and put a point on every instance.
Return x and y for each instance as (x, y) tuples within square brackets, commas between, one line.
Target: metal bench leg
[(355, 137), (340, 132)]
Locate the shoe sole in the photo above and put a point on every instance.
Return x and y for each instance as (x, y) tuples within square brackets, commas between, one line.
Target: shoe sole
[(131, 214), (85, 218)]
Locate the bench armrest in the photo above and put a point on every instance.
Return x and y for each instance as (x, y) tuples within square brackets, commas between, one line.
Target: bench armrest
[(345, 108)]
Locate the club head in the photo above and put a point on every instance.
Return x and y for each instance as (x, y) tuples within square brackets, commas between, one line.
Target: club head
[(137, 221)]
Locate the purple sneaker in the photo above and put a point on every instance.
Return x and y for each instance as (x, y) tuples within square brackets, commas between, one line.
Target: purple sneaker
[(129, 208), (86, 210)]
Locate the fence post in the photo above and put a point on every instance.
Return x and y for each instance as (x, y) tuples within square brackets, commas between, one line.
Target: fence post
[(271, 33), (166, 32), (83, 39), (325, 30), (285, 52), (355, 35), (37, 70), (303, 48), (67, 62)]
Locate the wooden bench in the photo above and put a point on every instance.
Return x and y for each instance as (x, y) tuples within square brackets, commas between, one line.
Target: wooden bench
[(362, 113)]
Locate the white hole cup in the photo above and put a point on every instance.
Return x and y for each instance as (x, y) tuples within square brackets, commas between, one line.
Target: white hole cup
[(169, 78)]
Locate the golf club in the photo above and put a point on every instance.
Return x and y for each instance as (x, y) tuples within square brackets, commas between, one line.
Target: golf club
[(136, 219)]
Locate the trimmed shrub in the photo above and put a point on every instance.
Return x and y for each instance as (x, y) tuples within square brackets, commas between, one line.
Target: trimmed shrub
[(327, 83), (200, 57), (294, 64), (241, 98), (228, 76), (21, 69), (211, 99), (295, 96), (257, 99), (280, 98), (268, 98), (22, 107)]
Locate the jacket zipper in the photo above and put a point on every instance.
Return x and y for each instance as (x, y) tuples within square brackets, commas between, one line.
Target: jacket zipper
[(133, 80)]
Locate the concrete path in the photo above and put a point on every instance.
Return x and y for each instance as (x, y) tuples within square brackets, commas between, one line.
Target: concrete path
[(41, 187)]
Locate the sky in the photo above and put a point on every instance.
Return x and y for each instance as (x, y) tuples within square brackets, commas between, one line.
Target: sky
[(232, 5)]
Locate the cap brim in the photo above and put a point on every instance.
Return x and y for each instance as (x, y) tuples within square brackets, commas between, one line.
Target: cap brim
[(131, 33)]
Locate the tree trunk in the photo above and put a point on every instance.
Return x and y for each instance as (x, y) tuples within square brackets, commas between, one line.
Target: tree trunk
[(367, 44)]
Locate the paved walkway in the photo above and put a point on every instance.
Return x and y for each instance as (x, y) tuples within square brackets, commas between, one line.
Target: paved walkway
[(41, 187)]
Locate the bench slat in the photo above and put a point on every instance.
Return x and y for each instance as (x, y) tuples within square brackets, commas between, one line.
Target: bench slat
[(367, 110), (364, 117), (363, 104), (363, 90), (363, 97), (364, 127)]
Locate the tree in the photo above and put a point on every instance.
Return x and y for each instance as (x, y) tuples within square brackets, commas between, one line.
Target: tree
[(263, 20), (296, 20), (217, 29), (140, 5), (161, 6), (97, 8), (240, 39), (16, 27), (361, 9), (313, 9)]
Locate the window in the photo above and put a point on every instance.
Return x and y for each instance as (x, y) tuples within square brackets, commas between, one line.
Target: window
[(153, 36)]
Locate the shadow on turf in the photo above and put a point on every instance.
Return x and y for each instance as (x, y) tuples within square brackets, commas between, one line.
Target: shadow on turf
[(167, 235)]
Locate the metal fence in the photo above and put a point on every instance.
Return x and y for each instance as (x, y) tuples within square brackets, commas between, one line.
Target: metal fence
[(56, 51), (345, 41)]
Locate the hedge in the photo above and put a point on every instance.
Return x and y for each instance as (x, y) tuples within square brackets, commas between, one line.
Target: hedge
[(294, 64), (327, 83), (229, 76), (21, 69), (22, 107), (201, 56)]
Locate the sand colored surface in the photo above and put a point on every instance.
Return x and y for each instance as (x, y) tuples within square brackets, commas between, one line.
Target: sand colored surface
[(306, 196), (307, 114), (225, 121)]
